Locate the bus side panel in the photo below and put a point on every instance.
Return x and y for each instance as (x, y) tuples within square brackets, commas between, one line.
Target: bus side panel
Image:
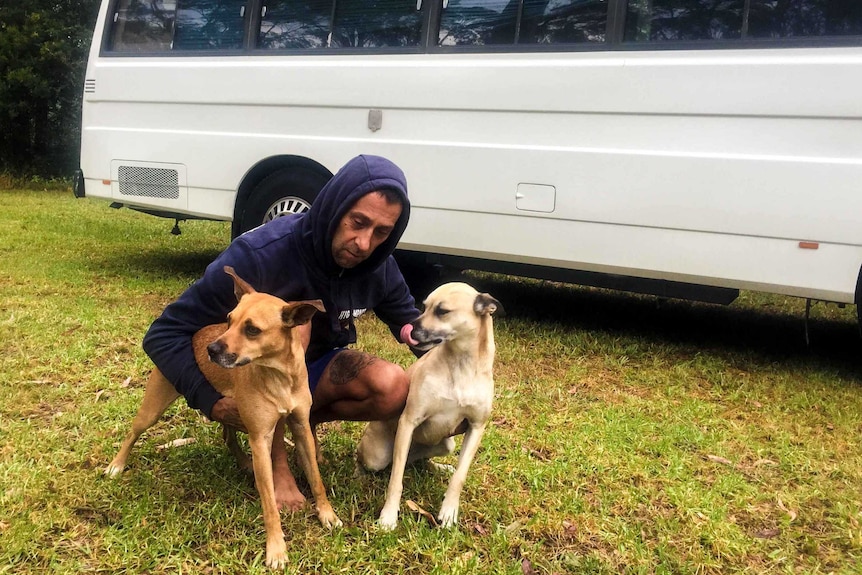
[(761, 264)]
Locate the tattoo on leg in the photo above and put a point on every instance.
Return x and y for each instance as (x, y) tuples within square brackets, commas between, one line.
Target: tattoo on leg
[(347, 365)]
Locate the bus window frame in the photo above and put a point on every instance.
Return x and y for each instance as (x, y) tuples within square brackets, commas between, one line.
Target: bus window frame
[(432, 13)]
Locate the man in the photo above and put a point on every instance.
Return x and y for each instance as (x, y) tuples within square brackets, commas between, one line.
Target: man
[(339, 251)]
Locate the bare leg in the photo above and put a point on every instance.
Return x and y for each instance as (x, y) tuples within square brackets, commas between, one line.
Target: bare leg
[(357, 386), (287, 494)]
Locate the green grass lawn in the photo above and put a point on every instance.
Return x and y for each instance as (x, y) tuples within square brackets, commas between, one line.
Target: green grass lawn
[(630, 435)]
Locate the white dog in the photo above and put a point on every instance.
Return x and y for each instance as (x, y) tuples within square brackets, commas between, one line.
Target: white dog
[(451, 392)]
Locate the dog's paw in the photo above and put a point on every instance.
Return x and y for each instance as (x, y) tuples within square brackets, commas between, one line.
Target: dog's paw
[(329, 519), (276, 552), (113, 470), (276, 561), (448, 516), (387, 521)]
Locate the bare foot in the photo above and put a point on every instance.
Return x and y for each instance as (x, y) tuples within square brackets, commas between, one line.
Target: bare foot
[(287, 495)]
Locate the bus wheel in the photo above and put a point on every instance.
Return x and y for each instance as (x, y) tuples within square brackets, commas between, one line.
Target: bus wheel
[(287, 191)]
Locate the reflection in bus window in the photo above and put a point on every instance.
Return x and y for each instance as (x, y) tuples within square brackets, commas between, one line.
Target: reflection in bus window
[(669, 20), (209, 25), (143, 26), (288, 24), (360, 24), (357, 24), (663, 20), (563, 21), (478, 23), (804, 18), (501, 22)]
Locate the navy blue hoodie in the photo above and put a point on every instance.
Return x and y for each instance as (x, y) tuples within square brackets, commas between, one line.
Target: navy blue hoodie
[(291, 257)]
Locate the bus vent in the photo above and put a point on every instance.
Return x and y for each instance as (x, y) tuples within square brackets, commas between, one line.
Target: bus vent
[(149, 182), (89, 86)]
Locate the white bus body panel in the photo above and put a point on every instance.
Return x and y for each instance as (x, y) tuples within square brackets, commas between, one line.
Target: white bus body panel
[(706, 167)]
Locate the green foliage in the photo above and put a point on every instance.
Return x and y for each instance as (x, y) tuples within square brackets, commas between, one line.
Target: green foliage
[(626, 438), (43, 56)]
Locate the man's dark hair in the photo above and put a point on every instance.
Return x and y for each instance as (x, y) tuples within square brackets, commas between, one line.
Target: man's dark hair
[(391, 196)]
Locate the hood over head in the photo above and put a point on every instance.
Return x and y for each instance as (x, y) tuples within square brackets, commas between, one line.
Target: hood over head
[(361, 175)]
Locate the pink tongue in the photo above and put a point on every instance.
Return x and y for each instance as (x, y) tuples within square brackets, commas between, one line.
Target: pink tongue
[(406, 336)]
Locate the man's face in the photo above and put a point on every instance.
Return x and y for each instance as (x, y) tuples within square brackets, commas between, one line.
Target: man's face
[(366, 225)]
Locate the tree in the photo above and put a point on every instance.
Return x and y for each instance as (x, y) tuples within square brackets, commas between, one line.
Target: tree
[(43, 56)]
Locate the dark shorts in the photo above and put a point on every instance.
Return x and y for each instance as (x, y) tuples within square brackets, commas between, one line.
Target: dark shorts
[(316, 367)]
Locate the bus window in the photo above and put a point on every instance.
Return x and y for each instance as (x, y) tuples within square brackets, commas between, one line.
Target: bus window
[(164, 25), (478, 23), (563, 21), (208, 25), (383, 23), (288, 24), (671, 20), (502, 22), (668, 20), (356, 24), (143, 26), (804, 18)]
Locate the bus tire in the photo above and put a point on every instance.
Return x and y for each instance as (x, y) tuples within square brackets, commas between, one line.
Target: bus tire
[(287, 191)]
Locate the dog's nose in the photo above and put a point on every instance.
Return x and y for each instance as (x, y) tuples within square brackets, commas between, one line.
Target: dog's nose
[(215, 349), (418, 333)]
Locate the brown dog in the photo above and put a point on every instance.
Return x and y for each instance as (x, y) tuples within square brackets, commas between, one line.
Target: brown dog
[(256, 358)]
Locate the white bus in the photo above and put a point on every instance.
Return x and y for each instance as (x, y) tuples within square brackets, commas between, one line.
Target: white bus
[(684, 148)]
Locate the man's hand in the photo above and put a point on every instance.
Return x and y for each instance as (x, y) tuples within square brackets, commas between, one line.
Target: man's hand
[(226, 412)]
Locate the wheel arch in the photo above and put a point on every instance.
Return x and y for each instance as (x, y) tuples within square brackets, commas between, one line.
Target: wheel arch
[(261, 171)]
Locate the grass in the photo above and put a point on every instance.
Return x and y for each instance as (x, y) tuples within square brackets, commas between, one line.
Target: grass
[(629, 435)]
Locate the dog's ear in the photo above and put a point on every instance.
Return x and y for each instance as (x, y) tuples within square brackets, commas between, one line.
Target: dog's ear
[(300, 312), (240, 286), (485, 304)]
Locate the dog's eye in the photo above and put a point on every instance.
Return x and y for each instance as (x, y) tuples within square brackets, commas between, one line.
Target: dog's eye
[(251, 330), (441, 311)]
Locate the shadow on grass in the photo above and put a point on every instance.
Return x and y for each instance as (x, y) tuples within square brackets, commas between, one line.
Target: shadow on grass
[(159, 263), (772, 335)]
